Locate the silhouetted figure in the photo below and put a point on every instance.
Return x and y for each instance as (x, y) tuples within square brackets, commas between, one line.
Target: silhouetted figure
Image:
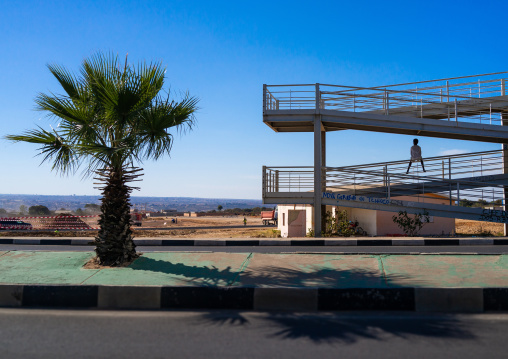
[(416, 155)]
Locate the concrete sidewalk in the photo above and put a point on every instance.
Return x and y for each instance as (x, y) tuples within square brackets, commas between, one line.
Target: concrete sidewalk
[(258, 281), (350, 241)]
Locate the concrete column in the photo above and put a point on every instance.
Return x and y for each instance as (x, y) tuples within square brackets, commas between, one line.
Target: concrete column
[(323, 147), (323, 164), (504, 121), (318, 163)]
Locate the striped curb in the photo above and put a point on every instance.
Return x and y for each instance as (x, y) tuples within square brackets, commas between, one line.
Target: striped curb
[(248, 298), (269, 242)]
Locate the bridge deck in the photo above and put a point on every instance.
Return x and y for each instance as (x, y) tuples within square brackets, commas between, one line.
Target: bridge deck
[(470, 109)]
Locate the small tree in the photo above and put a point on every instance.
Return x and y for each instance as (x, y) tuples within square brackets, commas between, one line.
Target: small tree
[(466, 203), (411, 226), (22, 209), (337, 225), (39, 210), (219, 207), (481, 203), (92, 208)]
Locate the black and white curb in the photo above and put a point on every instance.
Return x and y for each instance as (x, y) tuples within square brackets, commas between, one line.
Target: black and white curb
[(247, 298), (268, 242)]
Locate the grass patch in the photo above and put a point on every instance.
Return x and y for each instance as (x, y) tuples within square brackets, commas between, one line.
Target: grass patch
[(268, 233)]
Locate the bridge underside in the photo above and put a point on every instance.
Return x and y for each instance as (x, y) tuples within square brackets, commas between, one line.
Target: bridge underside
[(389, 205), (331, 120)]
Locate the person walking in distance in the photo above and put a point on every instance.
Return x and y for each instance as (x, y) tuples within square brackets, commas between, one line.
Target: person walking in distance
[(416, 155), (244, 221)]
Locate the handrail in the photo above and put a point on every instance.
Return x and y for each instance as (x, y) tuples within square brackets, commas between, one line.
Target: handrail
[(477, 101), (472, 176)]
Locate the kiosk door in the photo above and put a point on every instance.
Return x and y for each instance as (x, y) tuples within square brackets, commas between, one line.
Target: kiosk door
[(296, 223)]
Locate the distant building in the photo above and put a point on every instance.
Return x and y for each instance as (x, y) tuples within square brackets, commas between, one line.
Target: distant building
[(194, 214), (63, 211)]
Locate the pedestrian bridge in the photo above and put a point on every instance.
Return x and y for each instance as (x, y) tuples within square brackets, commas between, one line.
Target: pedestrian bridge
[(473, 108)]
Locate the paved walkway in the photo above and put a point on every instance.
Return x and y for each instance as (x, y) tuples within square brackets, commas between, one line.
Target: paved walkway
[(261, 270), (197, 280)]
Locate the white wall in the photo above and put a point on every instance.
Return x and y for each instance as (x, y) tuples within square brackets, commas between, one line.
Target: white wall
[(283, 209)]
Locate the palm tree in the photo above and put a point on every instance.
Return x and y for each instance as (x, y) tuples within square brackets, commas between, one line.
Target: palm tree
[(111, 118)]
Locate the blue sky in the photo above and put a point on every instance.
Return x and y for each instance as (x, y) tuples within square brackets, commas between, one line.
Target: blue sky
[(223, 52)]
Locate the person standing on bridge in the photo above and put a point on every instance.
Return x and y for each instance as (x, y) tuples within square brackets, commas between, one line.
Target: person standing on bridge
[(416, 155)]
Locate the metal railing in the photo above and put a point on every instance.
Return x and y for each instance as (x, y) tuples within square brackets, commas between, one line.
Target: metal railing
[(464, 176), (478, 98)]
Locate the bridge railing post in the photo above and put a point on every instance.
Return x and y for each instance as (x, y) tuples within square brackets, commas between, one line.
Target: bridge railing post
[(276, 180), (264, 97), (388, 185), (456, 120), (458, 194), (318, 97), (264, 181)]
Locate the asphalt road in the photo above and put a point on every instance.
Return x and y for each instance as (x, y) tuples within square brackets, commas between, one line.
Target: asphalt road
[(232, 334), (486, 249)]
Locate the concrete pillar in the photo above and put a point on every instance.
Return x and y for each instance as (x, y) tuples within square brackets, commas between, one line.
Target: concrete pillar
[(504, 121), (323, 174), (323, 147), (318, 163)]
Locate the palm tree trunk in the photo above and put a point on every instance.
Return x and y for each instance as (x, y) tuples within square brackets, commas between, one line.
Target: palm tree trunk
[(114, 242)]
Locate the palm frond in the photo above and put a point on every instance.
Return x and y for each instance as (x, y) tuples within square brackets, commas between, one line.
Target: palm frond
[(152, 136), (67, 80), (53, 147)]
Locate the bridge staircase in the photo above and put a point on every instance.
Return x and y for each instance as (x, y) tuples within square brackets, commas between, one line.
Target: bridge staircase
[(468, 183)]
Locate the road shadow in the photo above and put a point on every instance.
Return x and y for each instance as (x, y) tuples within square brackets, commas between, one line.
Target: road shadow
[(344, 328)]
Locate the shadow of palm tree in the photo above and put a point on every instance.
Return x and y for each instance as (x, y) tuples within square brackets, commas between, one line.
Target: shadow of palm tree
[(338, 328), (320, 327), (272, 276), (275, 276), (209, 276), (335, 328)]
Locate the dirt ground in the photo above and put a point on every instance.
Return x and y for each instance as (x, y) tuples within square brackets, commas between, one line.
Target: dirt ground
[(187, 228), (477, 228)]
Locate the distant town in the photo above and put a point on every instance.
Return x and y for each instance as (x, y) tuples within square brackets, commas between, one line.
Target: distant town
[(13, 202)]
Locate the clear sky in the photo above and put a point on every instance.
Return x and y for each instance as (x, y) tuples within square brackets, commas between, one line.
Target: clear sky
[(223, 52)]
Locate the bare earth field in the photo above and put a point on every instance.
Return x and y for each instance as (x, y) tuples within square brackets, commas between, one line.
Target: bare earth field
[(186, 227), (216, 227), (477, 228)]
